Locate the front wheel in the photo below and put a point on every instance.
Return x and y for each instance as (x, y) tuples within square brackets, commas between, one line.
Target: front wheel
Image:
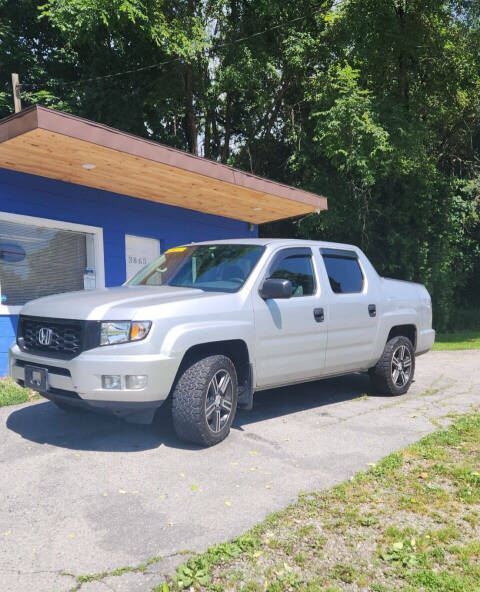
[(204, 401), (393, 373)]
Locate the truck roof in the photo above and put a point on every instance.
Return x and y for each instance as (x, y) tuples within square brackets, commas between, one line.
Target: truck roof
[(288, 242)]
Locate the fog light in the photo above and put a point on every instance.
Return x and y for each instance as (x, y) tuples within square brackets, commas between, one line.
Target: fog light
[(111, 381), (136, 381)]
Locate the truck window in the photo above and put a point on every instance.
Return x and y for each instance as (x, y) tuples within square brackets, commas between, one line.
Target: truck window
[(344, 273), (298, 269)]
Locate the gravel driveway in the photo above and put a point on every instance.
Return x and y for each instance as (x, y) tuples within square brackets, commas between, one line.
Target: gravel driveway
[(83, 494)]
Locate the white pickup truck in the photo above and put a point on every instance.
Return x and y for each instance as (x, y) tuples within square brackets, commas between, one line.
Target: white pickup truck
[(208, 324)]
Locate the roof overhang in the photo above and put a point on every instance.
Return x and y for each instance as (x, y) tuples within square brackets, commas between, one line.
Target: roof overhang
[(53, 144)]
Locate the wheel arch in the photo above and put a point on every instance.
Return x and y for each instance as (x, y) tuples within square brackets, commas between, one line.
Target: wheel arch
[(235, 349), (408, 330)]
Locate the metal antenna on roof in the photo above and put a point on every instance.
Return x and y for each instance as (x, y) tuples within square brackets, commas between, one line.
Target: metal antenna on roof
[(16, 93)]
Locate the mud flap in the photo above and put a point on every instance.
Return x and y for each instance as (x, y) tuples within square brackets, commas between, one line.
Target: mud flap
[(245, 392)]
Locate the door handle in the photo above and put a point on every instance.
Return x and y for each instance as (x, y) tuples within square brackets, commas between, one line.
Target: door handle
[(372, 310), (319, 315)]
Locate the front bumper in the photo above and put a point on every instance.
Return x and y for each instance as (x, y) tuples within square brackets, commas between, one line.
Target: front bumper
[(79, 381)]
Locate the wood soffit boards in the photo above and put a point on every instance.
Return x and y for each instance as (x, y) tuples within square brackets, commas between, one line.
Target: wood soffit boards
[(52, 144)]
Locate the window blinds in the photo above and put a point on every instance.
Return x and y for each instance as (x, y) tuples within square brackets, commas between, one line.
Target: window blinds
[(36, 261)]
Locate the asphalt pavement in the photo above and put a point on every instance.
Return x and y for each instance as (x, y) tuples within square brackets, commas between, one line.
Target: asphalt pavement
[(83, 494)]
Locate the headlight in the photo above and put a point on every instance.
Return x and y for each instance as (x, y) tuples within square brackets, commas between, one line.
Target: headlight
[(113, 332)]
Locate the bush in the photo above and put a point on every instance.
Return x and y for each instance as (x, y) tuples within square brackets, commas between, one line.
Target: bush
[(13, 394)]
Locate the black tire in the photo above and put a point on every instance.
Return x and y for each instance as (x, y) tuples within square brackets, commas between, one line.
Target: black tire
[(193, 397), (383, 375)]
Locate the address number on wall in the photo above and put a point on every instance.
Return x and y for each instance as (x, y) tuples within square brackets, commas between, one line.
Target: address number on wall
[(139, 252)]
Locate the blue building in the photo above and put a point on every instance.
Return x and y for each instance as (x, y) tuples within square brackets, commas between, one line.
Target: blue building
[(84, 206)]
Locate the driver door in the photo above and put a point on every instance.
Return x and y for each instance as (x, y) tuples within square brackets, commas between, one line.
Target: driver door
[(291, 338)]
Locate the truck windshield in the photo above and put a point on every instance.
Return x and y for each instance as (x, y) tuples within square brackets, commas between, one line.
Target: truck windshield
[(212, 268)]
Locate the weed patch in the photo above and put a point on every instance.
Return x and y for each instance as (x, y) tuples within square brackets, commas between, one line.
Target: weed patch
[(13, 394), (410, 523)]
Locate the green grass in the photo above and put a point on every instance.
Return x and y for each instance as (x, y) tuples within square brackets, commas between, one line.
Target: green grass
[(120, 571), (411, 523), (12, 394), (452, 341)]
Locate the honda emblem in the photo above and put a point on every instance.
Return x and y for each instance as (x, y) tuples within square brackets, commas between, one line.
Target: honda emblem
[(44, 336)]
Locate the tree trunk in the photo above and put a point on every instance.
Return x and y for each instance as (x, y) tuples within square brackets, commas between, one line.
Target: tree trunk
[(190, 120), (215, 134), (403, 85), (403, 77), (228, 129), (207, 142), (209, 114)]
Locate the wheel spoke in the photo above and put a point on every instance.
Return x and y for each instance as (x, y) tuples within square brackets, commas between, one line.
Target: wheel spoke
[(223, 384), (395, 362), (216, 420), (395, 375), (407, 363), (209, 410), (215, 385), (226, 405)]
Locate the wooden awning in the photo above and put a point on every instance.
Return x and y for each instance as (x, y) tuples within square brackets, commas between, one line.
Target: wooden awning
[(53, 144)]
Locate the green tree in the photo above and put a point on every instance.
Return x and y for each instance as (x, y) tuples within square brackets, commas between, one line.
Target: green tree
[(374, 103), (401, 84)]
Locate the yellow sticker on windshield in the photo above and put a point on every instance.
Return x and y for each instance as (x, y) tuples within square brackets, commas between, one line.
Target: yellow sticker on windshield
[(176, 250)]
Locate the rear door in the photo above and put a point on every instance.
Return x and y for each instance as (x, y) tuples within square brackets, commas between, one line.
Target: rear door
[(352, 311), (290, 341)]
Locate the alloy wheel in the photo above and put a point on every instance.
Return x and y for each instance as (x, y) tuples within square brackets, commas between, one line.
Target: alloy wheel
[(401, 366), (219, 400)]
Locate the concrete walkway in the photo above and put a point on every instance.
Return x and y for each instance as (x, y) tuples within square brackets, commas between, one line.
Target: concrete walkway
[(82, 494)]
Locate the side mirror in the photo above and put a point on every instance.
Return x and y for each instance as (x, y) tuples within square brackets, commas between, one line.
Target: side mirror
[(276, 288)]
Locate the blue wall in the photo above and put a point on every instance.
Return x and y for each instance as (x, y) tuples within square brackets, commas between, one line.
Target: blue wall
[(116, 214)]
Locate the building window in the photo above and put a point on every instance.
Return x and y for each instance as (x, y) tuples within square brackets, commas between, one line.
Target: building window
[(344, 274), (39, 258)]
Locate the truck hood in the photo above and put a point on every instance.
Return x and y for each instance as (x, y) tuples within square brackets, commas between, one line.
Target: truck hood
[(122, 303)]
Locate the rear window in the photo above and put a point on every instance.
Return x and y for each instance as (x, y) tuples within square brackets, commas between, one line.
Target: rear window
[(344, 273)]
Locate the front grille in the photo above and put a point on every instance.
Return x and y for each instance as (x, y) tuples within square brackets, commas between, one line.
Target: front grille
[(67, 338)]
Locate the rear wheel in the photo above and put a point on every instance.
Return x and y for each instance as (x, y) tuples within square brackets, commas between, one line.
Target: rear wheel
[(393, 373), (204, 401)]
